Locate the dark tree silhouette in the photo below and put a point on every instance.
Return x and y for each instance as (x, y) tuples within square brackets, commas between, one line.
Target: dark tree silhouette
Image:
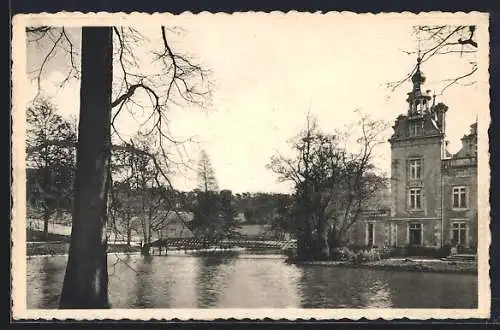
[(86, 279), (206, 175), (207, 220), (332, 184)]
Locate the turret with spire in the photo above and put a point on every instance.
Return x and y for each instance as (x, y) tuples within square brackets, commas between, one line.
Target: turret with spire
[(425, 117), (417, 101)]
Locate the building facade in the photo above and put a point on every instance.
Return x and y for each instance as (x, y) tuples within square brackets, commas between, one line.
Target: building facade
[(433, 193)]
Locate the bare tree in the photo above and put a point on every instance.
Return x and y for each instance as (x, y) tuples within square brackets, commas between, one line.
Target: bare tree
[(51, 159), (142, 189), (121, 213), (104, 94), (207, 220), (206, 175), (445, 40), (332, 184)]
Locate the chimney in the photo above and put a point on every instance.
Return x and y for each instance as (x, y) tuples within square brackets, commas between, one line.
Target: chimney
[(440, 110)]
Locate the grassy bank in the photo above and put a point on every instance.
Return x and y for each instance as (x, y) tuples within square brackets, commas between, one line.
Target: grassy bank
[(411, 265), (38, 236), (61, 248), (54, 244)]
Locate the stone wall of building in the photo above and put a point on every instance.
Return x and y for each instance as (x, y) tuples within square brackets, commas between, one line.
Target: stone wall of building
[(358, 234), (395, 233), (460, 172), (429, 151)]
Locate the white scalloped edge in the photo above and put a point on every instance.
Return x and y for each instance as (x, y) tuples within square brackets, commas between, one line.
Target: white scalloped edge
[(121, 18), (118, 17)]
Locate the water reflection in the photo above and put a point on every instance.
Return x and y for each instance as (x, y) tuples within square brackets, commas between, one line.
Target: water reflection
[(252, 281), (258, 282), (180, 279), (44, 278), (433, 290), (378, 295), (212, 279), (144, 284)]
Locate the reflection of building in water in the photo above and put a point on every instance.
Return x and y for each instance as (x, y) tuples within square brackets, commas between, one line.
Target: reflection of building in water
[(378, 295), (433, 193)]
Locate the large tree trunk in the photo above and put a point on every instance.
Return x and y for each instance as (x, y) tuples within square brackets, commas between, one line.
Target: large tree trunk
[(305, 240), (324, 247), (46, 218), (147, 237), (86, 278), (129, 231), (324, 252)]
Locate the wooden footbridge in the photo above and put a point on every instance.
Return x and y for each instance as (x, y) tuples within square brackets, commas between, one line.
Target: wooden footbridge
[(194, 243)]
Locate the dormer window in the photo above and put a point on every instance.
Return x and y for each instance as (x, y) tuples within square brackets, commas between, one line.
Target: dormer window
[(473, 148), (415, 128)]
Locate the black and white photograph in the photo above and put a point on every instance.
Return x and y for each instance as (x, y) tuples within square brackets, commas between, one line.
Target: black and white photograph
[(250, 165)]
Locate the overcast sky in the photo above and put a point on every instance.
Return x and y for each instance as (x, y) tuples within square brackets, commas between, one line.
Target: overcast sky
[(269, 71)]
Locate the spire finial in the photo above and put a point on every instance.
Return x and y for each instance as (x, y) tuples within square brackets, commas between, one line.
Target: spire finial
[(419, 58), (418, 78), (419, 55)]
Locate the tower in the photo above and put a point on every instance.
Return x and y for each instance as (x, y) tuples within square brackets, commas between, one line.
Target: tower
[(417, 101), (417, 147)]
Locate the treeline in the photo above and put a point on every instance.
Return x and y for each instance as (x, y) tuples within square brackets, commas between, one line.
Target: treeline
[(251, 208), (142, 200)]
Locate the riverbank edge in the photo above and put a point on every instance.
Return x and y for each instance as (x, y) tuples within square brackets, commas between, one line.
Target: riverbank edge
[(407, 265), (62, 248), (422, 266)]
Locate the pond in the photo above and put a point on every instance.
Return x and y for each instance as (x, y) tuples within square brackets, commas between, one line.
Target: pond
[(253, 281)]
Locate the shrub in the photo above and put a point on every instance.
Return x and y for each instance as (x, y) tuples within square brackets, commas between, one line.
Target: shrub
[(342, 254), (473, 247), (445, 251), (365, 255), (388, 252), (373, 255), (414, 251), (362, 256)]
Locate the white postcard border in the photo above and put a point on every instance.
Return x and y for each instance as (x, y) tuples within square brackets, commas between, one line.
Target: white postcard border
[(18, 224)]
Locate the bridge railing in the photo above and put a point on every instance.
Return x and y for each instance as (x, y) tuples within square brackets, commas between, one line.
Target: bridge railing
[(199, 243)]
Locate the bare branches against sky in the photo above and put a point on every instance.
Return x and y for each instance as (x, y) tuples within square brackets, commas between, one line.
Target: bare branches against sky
[(262, 84)]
